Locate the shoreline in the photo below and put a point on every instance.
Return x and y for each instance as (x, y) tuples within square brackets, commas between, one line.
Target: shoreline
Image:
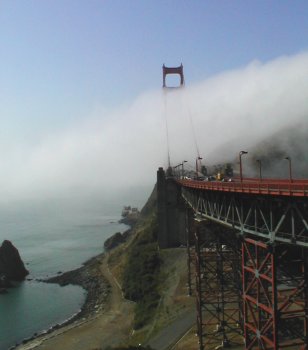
[(90, 278)]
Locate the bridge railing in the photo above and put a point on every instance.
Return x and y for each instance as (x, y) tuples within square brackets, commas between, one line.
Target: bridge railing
[(296, 188)]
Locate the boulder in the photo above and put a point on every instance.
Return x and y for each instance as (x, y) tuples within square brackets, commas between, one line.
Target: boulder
[(12, 267)]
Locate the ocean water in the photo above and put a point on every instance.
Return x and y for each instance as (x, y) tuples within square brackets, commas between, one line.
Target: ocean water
[(51, 237)]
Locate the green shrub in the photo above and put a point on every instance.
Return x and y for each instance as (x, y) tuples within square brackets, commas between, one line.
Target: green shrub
[(140, 278)]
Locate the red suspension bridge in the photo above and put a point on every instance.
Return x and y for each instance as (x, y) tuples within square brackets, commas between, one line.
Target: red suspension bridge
[(247, 254)]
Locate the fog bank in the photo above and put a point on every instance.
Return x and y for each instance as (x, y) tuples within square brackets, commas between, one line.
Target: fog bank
[(118, 150)]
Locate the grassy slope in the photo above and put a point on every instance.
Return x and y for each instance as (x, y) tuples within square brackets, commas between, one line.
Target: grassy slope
[(155, 279)]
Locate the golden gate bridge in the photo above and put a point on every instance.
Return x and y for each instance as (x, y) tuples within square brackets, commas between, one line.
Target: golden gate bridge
[(247, 254)]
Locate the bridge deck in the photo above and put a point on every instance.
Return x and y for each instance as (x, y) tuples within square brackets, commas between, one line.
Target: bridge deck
[(273, 187)]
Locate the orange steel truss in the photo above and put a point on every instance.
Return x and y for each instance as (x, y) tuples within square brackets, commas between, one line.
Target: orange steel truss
[(274, 296), (256, 295)]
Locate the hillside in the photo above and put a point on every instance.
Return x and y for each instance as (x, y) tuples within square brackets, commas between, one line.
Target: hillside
[(153, 280)]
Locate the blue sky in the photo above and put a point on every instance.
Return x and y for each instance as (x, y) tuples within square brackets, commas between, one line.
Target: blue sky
[(60, 59), (64, 62)]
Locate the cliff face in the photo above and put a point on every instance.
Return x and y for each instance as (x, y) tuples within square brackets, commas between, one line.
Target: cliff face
[(11, 265)]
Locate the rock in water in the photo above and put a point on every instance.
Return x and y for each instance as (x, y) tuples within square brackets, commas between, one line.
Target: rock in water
[(11, 265)]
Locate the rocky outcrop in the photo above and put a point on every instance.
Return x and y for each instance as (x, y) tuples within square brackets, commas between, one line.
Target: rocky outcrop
[(116, 239), (12, 267), (129, 220)]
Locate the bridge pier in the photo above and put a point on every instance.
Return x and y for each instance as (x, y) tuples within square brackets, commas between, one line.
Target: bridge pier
[(246, 287), (217, 293), (171, 212), (274, 296), (259, 295), (248, 291)]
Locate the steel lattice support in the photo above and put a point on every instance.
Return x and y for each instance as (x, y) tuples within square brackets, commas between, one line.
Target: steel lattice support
[(259, 296), (292, 279), (274, 296), (272, 218), (216, 290), (305, 268)]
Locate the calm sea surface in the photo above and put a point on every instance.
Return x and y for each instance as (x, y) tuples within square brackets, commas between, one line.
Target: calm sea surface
[(50, 237)]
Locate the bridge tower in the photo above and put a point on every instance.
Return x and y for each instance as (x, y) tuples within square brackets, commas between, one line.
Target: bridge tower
[(173, 70), (166, 71)]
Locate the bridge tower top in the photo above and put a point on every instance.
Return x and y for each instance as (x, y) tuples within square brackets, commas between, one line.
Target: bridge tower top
[(173, 70)]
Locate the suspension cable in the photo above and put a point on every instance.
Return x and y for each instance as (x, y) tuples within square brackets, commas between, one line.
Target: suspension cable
[(186, 104), (166, 125)]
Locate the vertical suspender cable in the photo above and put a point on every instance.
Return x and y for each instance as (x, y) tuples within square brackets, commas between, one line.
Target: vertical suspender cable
[(193, 132), (166, 123), (186, 104)]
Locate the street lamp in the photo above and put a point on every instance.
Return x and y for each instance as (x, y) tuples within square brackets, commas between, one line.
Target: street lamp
[(184, 161), (175, 167), (260, 167), (290, 167), (198, 158), (240, 155)]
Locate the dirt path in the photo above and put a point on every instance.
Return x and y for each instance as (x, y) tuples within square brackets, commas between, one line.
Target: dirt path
[(111, 326)]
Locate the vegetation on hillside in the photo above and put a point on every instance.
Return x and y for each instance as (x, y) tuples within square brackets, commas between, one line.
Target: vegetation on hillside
[(140, 269), (137, 263), (140, 276), (155, 279)]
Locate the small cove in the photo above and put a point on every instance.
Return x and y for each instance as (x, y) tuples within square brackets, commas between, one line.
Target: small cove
[(49, 241)]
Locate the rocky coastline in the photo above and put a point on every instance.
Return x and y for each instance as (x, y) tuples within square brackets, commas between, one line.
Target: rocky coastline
[(91, 279), (118, 237)]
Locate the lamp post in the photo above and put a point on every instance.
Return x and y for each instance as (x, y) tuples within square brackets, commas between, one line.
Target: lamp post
[(184, 161), (260, 167), (290, 167), (198, 158), (241, 172), (175, 173)]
